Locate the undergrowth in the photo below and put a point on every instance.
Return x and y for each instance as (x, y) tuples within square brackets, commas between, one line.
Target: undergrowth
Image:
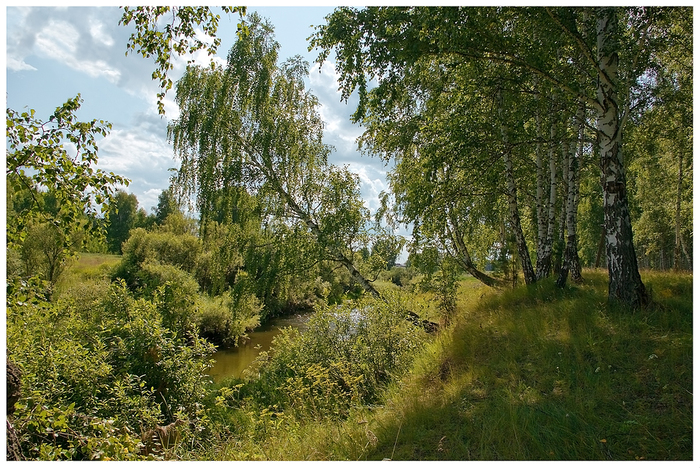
[(532, 373)]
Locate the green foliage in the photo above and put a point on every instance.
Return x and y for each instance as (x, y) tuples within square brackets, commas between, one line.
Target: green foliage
[(43, 252), (172, 370), (343, 359), (253, 128), (53, 189), (179, 36), (173, 268), (215, 322), (98, 368), (224, 319), (162, 246), (531, 373), (174, 291), (57, 155), (121, 218), (458, 89), (399, 275), (660, 148), (167, 205), (439, 275)]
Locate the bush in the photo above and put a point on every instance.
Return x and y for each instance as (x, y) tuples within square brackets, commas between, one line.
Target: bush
[(43, 252), (174, 291), (96, 372), (344, 358), (223, 324), (164, 247), (400, 276)]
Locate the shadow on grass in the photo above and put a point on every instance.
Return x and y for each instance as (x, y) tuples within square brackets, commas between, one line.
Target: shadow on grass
[(542, 373)]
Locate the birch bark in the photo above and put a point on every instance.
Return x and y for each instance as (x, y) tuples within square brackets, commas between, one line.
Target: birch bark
[(512, 195), (571, 264), (546, 209), (625, 283)]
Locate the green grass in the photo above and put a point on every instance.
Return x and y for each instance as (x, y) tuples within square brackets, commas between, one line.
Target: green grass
[(534, 373), (86, 270), (531, 373), (90, 265)]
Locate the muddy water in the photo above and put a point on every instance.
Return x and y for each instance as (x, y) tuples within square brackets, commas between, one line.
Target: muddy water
[(232, 362)]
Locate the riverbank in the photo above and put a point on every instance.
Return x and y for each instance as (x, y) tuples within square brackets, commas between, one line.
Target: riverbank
[(232, 362), (532, 373)]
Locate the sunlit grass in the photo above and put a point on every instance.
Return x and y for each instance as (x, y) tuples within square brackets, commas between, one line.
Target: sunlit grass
[(92, 264), (86, 268), (533, 373)]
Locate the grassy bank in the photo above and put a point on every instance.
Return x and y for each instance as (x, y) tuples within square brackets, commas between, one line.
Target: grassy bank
[(532, 373)]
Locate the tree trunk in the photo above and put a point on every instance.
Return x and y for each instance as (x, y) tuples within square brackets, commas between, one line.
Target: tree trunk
[(601, 248), (334, 254), (625, 283), (688, 258), (523, 251), (512, 195), (465, 260), (540, 208), (566, 217), (677, 250), (571, 264), (546, 210), (561, 238), (575, 266)]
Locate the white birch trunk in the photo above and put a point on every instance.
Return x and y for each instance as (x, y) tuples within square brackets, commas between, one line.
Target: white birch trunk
[(542, 269), (546, 210), (570, 263), (512, 194), (625, 284)]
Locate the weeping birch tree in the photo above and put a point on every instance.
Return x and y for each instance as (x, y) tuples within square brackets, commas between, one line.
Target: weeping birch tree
[(253, 125)]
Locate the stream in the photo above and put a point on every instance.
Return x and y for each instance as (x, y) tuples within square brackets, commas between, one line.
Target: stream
[(233, 361)]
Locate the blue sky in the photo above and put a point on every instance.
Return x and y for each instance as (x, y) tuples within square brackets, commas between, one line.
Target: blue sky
[(54, 53)]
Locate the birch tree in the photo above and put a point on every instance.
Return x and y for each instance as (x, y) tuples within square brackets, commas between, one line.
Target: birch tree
[(381, 43), (253, 125), (164, 31)]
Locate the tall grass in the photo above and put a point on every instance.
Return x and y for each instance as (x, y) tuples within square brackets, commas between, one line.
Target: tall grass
[(533, 373)]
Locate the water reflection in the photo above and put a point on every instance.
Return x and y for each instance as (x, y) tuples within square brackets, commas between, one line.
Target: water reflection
[(232, 362)]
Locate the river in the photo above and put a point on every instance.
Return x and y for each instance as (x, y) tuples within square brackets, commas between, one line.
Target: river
[(233, 361)]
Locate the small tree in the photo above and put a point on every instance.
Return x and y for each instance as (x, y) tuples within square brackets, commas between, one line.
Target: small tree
[(254, 125), (167, 205), (121, 218)]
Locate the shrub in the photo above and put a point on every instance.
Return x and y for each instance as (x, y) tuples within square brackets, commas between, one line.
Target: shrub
[(96, 372), (223, 324), (400, 276), (43, 252), (164, 247), (344, 358), (174, 291)]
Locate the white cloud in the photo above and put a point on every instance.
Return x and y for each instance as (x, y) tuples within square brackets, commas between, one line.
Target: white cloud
[(143, 156), (90, 41), (15, 64), (59, 40), (99, 34), (340, 132)]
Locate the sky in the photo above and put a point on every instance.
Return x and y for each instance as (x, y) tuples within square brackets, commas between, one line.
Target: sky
[(54, 53)]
